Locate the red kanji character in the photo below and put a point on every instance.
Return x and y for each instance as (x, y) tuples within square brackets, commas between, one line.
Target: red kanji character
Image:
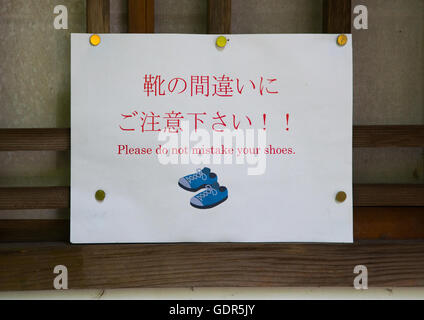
[(173, 122), (234, 122), (126, 116), (152, 84), (199, 84), (197, 119), (223, 88), (152, 122), (222, 123), (176, 80), (240, 90)]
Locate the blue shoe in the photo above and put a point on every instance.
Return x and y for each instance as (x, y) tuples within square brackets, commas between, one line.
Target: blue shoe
[(196, 181), (211, 197)]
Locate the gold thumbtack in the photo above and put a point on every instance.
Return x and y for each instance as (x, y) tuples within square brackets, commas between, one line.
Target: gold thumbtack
[(221, 42), (95, 40), (341, 196), (100, 195), (342, 40)]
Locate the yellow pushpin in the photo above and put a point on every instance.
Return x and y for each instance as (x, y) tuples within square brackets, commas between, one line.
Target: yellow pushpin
[(100, 195), (341, 196), (95, 40), (342, 40), (221, 42)]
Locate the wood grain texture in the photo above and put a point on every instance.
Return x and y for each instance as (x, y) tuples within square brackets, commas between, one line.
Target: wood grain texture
[(54, 139), (390, 264), (388, 136), (372, 195), (29, 266), (58, 139), (98, 16), (17, 198), (388, 223), (364, 195), (219, 16), (34, 230), (337, 16), (370, 223), (141, 16)]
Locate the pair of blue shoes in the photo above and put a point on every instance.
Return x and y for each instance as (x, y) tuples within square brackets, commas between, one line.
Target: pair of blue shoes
[(213, 195)]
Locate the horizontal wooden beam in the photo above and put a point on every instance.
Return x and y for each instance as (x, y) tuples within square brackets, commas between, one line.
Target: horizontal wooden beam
[(364, 195), (388, 136), (388, 223), (393, 195), (54, 139), (34, 230), (58, 139), (390, 264), (34, 198), (370, 223)]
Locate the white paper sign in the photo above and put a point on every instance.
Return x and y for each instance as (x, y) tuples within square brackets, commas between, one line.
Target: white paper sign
[(191, 143)]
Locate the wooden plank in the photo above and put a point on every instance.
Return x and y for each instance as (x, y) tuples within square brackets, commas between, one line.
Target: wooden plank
[(390, 264), (98, 16), (34, 230), (58, 139), (337, 16), (388, 136), (219, 16), (373, 195), (141, 16), (370, 223), (34, 198), (12, 198), (35, 214), (388, 223), (54, 139)]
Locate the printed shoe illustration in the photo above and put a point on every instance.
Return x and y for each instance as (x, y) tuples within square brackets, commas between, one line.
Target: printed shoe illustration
[(213, 195), (196, 181)]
